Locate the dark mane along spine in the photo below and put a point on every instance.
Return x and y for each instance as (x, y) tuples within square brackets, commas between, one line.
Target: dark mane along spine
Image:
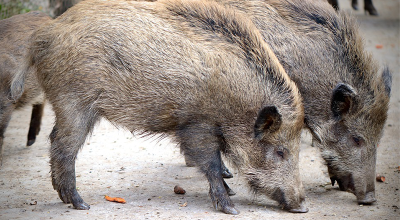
[(339, 30), (233, 25), (238, 29)]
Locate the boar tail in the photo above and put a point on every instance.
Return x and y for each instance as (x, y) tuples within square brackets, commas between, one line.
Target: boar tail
[(18, 81)]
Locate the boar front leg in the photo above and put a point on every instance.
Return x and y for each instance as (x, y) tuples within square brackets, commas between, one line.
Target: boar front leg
[(67, 138), (225, 171), (202, 144), (2, 131), (34, 127)]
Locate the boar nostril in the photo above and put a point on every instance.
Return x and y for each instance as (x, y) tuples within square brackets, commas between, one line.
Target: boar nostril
[(279, 196)]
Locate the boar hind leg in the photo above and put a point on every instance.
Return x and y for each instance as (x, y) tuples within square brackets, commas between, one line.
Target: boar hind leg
[(202, 145), (34, 127), (67, 137), (3, 125)]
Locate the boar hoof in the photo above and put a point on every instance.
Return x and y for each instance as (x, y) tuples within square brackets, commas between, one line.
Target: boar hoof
[(369, 199), (82, 206), (230, 210), (30, 142), (226, 174), (223, 203), (230, 192), (74, 198)]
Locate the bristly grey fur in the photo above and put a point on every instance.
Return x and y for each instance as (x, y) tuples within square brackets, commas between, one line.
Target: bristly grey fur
[(194, 70), (322, 51)]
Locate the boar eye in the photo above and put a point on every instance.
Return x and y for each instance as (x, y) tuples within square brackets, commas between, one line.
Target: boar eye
[(357, 140), (280, 153)]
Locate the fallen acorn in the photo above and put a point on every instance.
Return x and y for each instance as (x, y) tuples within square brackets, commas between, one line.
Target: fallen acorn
[(179, 190), (380, 178), (114, 199)]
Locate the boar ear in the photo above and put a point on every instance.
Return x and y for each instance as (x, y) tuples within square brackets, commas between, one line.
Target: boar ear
[(387, 80), (268, 121), (343, 98)]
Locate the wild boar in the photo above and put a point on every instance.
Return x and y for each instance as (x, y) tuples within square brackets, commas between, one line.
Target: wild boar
[(15, 35), (193, 70), (345, 96)]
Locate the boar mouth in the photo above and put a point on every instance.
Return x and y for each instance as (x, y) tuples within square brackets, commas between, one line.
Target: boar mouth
[(346, 183), (279, 196)]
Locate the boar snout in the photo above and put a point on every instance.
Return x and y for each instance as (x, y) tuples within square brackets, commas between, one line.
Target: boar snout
[(366, 192), (302, 208), (365, 195), (290, 200)]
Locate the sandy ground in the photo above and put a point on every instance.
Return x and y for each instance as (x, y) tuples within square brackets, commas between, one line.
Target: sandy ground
[(144, 172)]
